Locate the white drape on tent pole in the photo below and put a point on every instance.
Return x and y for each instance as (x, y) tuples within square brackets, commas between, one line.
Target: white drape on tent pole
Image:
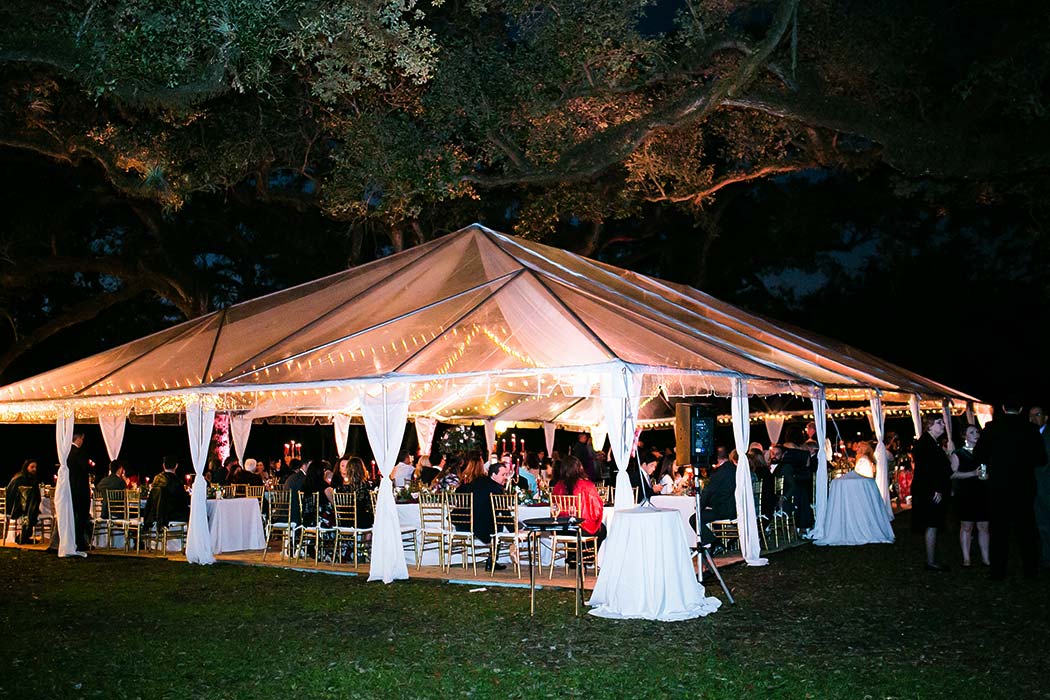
[(385, 410), (820, 420), (548, 437), (67, 530), (621, 393), (490, 436), (774, 426), (240, 429), (341, 425), (916, 414), (598, 435), (746, 516), (882, 462), (200, 420), (946, 413), (112, 425), (425, 428)]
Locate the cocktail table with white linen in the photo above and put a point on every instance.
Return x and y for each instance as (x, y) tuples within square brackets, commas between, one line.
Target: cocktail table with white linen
[(647, 571), (856, 513), (235, 524)]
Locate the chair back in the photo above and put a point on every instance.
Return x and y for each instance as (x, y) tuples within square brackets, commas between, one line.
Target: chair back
[(255, 492), (229, 490), (132, 503), (280, 506), (605, 492), (308, 501), (432, 512), (344, 505), (505, 511), (564, 506), (460, 511), (3, 503)]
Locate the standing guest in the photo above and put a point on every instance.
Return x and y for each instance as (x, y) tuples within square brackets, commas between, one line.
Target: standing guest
[(80, 487), (718, 499), (1011, 449), (971, 496), (589, 504), (294, 484), (1042, 486), (23, 500), (114, 481), (168, 500), (584, 451), (930, 486)]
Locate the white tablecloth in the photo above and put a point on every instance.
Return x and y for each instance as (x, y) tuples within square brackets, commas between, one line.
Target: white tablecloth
[(647, 571), (686, 507), (235, 524), (856, 513)]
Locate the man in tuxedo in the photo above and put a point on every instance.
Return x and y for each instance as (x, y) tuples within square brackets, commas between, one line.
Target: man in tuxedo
[(80, 488), (483, 489), (168, 501), (1012, 448), (1042, 486), (294, 484), (718, 499)]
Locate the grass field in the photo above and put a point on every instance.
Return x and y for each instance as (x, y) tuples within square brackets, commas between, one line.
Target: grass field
[(817, 623)]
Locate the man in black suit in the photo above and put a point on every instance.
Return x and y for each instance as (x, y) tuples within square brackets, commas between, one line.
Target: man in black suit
[(1011, 448), (718, 499), (1042, 486), (585, 453), (168, 500), (114, 481), (483, 489), (80, 490), (294, 484)]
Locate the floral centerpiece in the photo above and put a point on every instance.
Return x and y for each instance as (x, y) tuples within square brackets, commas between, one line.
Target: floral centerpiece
[(839, 465), (457, 439)]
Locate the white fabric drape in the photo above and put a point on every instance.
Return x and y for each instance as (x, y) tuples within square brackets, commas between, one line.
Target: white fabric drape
[(820, 419), (385, 410), (425, 428), (621, 393), (774, 426), (946, 413), (67, 531), (746, 516), (882, 462), (200, 421), (598, 435), (240, 429), (548, 437), (916, 414), (112, 425), (341, 425), (983, 417), (490, 436)]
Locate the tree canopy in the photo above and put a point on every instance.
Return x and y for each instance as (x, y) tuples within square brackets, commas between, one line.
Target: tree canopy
[(585, 122)]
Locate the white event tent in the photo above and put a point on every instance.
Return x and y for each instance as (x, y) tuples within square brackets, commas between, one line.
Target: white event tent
[(475, 326)]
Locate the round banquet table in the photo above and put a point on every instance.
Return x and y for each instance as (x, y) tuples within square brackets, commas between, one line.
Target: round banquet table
[(856, 513), (647, 571), (235, 524)]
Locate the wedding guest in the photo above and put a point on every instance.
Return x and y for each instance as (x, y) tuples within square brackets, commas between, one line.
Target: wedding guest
[(756, 457), (349, 477), (494, 481), (23, 500), (403, 470), (971, 497), (1011, 448), (80, 487), (114, 481), (1037, 417), (448, 479), (865, 464), (425, 472), (931, 483), (584, 451), (294, 484), (589, 503), (248, 475), (168, 500), (718, 499), (530, 472), (475, 468)]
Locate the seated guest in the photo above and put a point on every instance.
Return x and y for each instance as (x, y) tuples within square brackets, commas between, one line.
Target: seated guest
[(530, 472), (168, 501), (294, 483), (403, 471), (425, 471), (718, 499), (483, 488), (233, 470), (23, 500), (349, 477), (114, 481), (448, 478), (865, 459), (247, 474), (590, 506)]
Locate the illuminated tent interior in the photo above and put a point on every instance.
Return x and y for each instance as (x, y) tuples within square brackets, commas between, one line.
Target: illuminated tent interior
[(473, 326)]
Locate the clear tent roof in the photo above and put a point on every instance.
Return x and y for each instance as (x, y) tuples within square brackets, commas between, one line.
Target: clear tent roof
[(480, 323)]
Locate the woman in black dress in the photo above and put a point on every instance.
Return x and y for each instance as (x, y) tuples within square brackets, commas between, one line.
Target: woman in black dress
[(971, 495), (930, 487)]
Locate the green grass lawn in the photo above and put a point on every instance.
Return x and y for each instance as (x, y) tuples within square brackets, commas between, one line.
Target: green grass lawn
[(817, 623)]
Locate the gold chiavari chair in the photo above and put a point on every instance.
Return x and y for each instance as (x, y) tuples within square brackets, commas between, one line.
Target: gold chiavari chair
[(125, 515), (45, 522), (505, 518), (280, 520), (433, 526), (311, 528), (231, 490), (346, 526), (255, 492), (606, 492), (99, 518), (569, 505), (159, 534), (408, 533), (726, 532), (461, 531), (5, 520)]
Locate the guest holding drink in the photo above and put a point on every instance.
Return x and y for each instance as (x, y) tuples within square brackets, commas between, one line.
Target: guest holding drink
[(971, 496)]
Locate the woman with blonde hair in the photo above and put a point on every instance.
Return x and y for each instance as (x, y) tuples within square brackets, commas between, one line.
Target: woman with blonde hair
[(865, 465)]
